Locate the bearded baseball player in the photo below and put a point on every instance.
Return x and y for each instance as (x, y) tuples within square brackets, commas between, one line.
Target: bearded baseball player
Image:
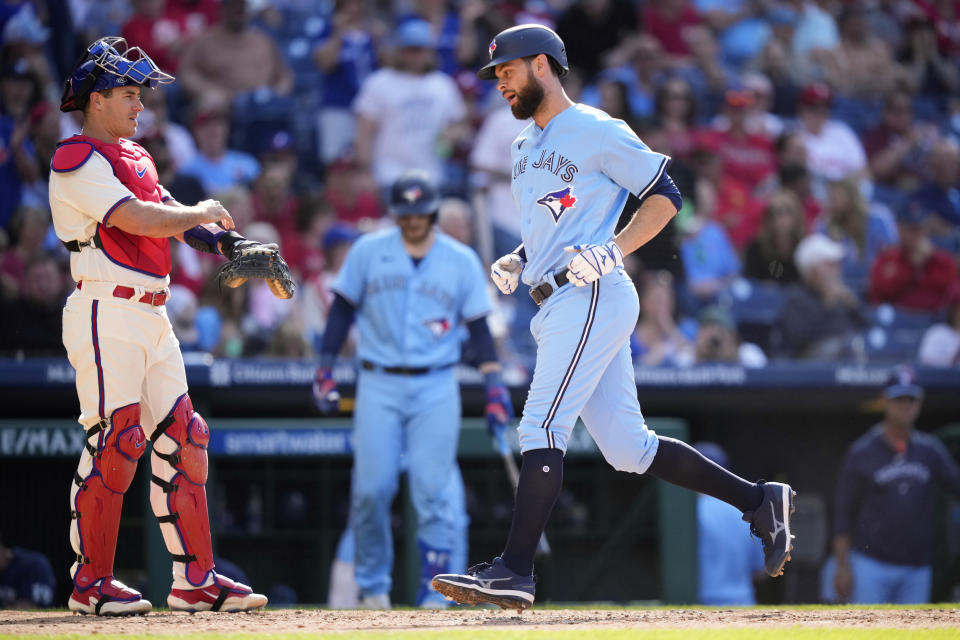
[(411, 289), (573, 168), (116, 220)]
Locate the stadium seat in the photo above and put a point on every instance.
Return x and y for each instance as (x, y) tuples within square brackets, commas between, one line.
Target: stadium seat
[(894, 334), (755, 306)]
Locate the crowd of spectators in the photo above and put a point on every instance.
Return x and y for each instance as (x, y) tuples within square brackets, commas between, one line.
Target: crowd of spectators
[(815, 143)]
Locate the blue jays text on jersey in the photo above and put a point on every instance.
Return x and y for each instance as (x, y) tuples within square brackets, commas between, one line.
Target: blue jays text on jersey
[(571, 180), (548, 163)]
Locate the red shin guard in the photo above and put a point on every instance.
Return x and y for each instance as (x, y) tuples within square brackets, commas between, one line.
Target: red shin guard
[(185, 496), (98, 501)]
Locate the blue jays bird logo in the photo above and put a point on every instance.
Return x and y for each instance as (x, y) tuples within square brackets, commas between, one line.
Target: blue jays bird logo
[(412, 194), (493, 47), (558, 202), (438, 327)]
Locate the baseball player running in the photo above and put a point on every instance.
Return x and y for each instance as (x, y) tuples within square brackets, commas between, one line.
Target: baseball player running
[(116, 220), (573, 168), (411, 288)]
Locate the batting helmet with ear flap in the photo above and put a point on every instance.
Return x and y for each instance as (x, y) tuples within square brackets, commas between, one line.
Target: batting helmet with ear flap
[(109, 63), (414, 193), (522, 41)]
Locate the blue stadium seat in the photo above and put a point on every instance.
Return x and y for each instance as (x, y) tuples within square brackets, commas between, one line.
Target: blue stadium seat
[(888, 316), (755, 306), (891, 345), (895, 334)]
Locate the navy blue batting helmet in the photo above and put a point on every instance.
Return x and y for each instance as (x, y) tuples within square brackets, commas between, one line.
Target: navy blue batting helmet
[(414, 193), (522, 41), (109, 63)]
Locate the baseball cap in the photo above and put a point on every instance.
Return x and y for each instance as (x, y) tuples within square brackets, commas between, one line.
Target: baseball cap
[(816, 94), (814, 249), (338, 234), (415, 33), (902, 383)]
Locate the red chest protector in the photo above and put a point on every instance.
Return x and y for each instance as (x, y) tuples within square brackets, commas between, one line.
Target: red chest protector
[(134, 167)]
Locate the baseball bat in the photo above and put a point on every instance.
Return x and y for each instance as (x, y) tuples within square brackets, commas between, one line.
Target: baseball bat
[(513, 474)]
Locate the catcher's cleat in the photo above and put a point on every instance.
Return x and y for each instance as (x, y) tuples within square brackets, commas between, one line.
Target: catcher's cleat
[(490, 583), (223, 595), (771, 523), (108, 597)]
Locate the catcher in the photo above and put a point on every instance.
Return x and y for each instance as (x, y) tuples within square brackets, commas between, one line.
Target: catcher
[(114, 217)]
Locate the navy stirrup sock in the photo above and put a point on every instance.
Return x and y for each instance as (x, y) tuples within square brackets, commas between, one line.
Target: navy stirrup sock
[(680, 464), (541, 477)]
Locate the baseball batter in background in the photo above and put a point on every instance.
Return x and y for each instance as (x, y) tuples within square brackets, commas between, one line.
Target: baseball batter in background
[(116, 220), (410, 288), (573, 168)]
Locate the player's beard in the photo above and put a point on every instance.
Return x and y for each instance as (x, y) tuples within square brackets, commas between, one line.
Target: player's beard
[(416, 234), (529, 98)]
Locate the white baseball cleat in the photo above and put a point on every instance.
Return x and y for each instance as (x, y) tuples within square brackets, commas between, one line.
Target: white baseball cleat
[(108, 597), (223, 595)]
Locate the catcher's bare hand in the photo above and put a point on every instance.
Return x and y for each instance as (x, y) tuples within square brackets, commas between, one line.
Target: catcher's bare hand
[(213, 211), (255, 260)]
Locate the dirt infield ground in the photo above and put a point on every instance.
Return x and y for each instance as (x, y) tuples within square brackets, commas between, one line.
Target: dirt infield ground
[(313, 621)]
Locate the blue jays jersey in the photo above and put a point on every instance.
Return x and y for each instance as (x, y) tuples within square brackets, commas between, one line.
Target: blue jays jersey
[(571, 180), (409, 315)]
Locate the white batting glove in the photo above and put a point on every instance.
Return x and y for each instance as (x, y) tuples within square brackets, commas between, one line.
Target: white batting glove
[(592, 262), (505, 273)]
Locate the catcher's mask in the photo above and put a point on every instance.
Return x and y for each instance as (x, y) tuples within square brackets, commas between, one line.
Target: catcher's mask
[(109, 63), (414, 194)]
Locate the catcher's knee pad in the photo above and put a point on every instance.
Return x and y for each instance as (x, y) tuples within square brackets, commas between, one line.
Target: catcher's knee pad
[(106, 470), (178, 496)]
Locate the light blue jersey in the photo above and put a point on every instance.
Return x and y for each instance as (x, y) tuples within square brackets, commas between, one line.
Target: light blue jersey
[(407, 315), (571, 181)]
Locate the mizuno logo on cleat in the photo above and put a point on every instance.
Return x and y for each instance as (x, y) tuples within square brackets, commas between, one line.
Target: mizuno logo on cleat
[(777, 525), (488, 583)]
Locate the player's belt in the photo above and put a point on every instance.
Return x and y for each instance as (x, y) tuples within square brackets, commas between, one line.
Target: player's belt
[(544, 290), (153, 298), (74, 246), (401, 371)]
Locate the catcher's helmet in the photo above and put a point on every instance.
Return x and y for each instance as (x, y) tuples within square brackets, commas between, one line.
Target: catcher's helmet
[(414, 193), (522, 41), (109, 63)]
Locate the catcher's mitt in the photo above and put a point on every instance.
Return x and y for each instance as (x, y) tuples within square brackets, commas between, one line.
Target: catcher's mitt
[(258, 261)]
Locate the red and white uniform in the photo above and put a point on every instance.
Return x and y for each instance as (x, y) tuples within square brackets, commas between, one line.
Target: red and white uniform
[(130, 354), (130, 373)]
